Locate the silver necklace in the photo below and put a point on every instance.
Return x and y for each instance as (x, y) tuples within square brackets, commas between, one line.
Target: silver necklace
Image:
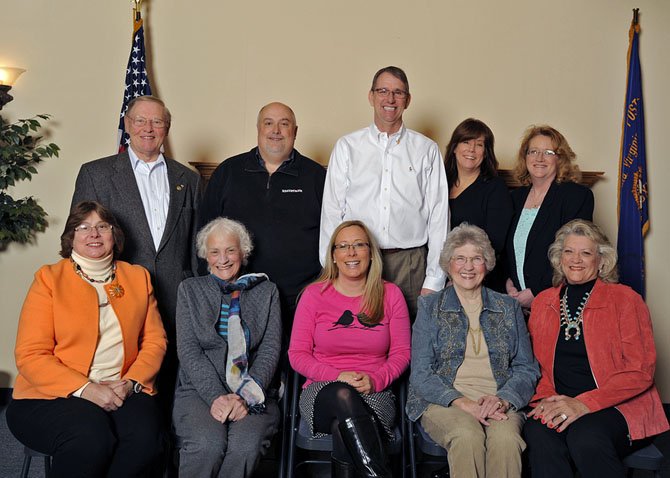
[(572, 323)]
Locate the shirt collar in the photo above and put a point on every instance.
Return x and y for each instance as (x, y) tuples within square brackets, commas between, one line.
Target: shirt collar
[(450, 302), (135, 160), (282, 167), (380, 136)]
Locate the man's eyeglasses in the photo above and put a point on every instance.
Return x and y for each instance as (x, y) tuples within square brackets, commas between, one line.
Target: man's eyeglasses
[(357, 246), (141, 122), (546, 153), (384, 92), (102, 228)]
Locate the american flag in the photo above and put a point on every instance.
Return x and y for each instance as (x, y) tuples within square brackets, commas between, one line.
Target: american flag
[(137, 80)]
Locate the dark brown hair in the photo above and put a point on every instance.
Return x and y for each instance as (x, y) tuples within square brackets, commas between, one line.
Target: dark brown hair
[(471, 129), (78, 215), (393, 71)]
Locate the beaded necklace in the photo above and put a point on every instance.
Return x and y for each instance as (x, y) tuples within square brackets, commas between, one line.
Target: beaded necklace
[(84, 275), (573, 323)]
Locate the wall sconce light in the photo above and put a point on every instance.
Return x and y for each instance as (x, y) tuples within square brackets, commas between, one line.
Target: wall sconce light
[(8, 76)]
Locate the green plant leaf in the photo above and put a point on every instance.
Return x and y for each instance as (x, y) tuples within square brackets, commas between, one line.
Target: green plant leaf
[(20, 151)]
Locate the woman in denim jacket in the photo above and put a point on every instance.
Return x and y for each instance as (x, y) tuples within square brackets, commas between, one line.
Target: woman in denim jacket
[(472, 364)]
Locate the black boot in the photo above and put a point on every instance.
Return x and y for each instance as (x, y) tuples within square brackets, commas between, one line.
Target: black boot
[(441, 473), (361, 437), (341, 469)]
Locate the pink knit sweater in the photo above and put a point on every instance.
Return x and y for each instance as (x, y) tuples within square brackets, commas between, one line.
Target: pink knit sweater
[(327, 337)]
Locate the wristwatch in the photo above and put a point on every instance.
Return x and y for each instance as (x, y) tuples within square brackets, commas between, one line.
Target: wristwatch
[(137, 386)]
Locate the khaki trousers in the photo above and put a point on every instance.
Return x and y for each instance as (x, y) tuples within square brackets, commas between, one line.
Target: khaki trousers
[(475, 450), (407, 269)]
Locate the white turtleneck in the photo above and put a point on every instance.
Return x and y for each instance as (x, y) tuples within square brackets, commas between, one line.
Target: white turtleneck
[(108, 358)]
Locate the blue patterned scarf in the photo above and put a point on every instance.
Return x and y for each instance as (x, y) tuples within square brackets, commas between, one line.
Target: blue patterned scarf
[(237, 362)]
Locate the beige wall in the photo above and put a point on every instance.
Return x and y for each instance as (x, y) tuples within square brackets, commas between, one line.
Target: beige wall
[(508, 63)]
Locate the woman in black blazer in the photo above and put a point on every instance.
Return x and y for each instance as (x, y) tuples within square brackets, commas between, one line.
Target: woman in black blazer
[(477, 195), (549, 198)]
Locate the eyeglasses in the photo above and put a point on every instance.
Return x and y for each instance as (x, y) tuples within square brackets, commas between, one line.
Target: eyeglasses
[(102, 228), (546, 154), (141, 122), (384, 92), (462, 260), (357, 246)]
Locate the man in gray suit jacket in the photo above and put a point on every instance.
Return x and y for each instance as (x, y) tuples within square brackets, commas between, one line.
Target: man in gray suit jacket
[(154, 199)]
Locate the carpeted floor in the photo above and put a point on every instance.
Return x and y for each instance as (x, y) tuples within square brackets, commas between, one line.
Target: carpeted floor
[(11, 454), (11, 458)]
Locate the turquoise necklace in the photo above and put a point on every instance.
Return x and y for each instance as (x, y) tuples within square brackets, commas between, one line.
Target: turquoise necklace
[(572, 323)]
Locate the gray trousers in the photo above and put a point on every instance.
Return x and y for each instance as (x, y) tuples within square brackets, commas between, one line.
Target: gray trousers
[(212, 449)]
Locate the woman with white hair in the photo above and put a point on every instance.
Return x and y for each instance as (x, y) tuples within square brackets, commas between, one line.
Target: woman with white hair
[(228, 343), (593, 340), (472, 364)]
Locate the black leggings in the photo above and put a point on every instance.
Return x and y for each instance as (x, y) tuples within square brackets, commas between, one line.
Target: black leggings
[(333, 404)]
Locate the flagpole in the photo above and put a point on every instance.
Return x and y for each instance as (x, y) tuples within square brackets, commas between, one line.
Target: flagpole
[(636, 12), (136, 77)]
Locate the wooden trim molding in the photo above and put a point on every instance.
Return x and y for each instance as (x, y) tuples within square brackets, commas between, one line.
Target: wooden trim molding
[(589, 178), (204, 168)]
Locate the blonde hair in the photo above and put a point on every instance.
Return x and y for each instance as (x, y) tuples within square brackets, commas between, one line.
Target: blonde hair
[(607, 272), (372, 304), (566, 167)]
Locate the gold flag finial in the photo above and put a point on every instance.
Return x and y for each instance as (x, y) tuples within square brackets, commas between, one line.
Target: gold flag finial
[(137, 10)]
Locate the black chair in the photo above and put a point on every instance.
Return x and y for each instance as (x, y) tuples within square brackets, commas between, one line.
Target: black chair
[(28, 455), (648, 458), (301, 437), (425, 444)]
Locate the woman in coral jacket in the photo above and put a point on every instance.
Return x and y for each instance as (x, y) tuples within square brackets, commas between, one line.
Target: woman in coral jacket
[(89, 346), (593, 339)]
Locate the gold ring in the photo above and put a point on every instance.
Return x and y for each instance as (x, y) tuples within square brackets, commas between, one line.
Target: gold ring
[(500, 404), (541, 407), (564, 417)]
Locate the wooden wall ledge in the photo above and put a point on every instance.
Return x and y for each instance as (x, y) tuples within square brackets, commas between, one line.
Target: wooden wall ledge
[(589, 178)]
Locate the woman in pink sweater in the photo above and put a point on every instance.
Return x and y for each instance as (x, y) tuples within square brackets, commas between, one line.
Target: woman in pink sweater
[(351, 340)]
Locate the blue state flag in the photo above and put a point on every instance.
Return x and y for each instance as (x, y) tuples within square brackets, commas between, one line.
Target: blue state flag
[(137, 80), (633, 195)]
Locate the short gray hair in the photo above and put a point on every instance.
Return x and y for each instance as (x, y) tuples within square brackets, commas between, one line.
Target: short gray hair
[(167, 116), (224, 225), (462, 235), (607, 271)]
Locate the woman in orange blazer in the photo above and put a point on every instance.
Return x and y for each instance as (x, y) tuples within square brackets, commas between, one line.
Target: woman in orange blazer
[(89, 346)]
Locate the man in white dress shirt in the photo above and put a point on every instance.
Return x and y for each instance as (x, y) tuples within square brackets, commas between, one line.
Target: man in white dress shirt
[(392, 179)]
